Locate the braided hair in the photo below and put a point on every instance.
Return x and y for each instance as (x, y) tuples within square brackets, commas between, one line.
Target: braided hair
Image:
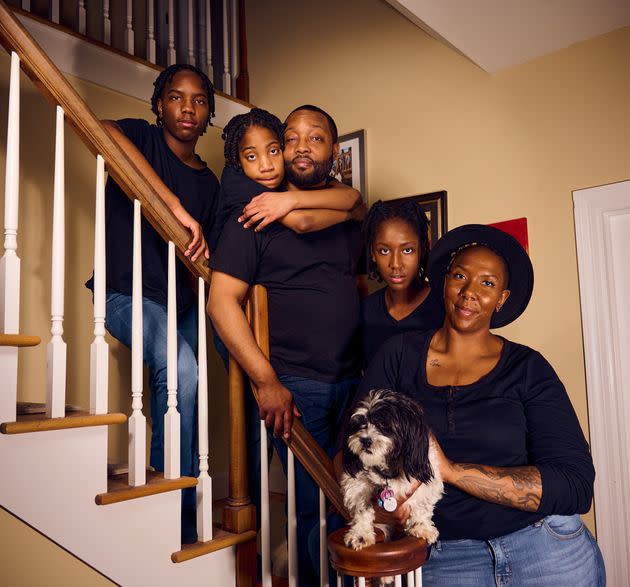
[(406, 210), (167, 76), (236, 128)]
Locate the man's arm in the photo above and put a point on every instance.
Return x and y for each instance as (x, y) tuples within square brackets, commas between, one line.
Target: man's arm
[(197, 246), (275, 401), (302, 221), (271, 206)]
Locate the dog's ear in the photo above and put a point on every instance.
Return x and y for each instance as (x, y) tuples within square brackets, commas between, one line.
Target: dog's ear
[(416, 456), (351, 462)]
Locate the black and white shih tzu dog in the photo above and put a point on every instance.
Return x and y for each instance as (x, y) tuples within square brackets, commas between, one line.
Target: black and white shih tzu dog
[(386, 451)]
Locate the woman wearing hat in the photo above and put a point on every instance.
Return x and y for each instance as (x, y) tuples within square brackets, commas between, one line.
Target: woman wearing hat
[(512, 454)]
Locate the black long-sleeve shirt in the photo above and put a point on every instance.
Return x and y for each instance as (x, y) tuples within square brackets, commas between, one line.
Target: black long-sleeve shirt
[(518, 414)]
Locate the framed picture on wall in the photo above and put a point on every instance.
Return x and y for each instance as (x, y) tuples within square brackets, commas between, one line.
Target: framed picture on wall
[(349, 166), (434, 206)]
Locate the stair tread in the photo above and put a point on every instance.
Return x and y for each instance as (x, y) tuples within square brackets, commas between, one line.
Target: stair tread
[(19, 340), (119, 490), (40, 423), (222, 539)]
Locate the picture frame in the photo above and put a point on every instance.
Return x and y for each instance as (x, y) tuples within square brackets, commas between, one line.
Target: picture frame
[(349, 165), (434, 206)]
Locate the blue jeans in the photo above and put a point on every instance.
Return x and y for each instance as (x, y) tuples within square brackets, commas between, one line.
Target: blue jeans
[(321, 406), (557, 551), (154, 331)]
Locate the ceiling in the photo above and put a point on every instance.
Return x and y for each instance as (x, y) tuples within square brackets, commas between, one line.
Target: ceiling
[(497, 34)]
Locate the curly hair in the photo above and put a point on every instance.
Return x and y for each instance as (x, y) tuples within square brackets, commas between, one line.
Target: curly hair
[(167, 76), (236, 128), (406, 210)]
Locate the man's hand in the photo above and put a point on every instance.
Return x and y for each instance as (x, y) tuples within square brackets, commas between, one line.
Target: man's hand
[(267, 208), (277, 408), (399, 516), (358, 212), (198, 245)]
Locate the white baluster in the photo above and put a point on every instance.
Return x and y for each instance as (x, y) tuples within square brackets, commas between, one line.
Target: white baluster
[(171, 418), (99, 353), (172, 54), (204, 481), (339, 579), (410, 579), (129, 38), (53, 11), (26, 5), (56, 349), (265, 527), (292, 521), (227, 80), (81, 17), (10, 262), (361, 582), (107, 24), (151, 44), (234, 41), (137, 420), (191, 33), (418, 576), (397, 581), (209, 66), (323, 550), (208, 34)]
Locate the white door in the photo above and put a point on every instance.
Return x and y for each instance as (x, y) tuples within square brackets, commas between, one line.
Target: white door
[(602, 223)]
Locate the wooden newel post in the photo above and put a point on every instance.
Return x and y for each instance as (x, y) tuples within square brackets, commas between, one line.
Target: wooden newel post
[(239, 515)]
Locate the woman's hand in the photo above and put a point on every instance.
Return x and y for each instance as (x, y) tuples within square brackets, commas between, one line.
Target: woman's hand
[(267, 208), (445, 465), (399, 516), (198, 245)]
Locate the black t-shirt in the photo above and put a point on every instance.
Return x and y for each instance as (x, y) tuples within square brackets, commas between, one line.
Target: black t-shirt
[(379, 325), (312, 291), (518, 414), (197, 190)]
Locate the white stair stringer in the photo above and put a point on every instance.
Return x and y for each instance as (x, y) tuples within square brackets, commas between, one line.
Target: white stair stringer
[(50, 480)]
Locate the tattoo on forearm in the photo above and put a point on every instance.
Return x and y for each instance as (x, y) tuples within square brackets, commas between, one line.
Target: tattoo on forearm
[(518, 487)]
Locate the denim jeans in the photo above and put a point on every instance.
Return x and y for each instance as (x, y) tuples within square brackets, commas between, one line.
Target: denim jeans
[(557, 551), (154, 331)]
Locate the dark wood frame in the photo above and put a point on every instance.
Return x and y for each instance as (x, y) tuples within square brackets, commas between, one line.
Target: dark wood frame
[(434, 206), (360, 136)]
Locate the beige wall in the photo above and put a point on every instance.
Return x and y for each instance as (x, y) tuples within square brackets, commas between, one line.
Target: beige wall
[(35, 233), (504, 146)]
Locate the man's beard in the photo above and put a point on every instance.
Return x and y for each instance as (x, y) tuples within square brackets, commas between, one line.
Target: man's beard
[(318, 174)]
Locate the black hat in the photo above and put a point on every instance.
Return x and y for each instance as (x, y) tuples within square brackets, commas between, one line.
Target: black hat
[(521, 283)]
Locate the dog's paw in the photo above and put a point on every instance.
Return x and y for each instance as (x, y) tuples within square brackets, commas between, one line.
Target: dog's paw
[(427, 532), (358, 539)]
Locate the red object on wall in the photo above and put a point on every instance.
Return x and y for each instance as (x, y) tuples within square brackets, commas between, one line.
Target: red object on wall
[(516, 228)]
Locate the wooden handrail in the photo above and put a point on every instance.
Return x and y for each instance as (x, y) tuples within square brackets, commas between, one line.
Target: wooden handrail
[(54, 86), (304, 446)]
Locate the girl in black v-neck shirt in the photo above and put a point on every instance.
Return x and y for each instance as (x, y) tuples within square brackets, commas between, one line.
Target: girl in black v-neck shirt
[(398, 246)]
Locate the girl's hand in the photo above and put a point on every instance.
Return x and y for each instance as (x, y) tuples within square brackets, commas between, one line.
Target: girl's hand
[(267, 208)]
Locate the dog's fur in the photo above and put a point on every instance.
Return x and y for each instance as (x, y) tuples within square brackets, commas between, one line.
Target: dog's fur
[(387, 444)]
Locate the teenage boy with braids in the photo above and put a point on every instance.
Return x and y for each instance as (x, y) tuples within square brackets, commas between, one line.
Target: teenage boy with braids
[(313, 307), (183, 102)]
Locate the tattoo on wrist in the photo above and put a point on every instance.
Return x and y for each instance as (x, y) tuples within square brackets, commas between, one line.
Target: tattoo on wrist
[(434, 363)]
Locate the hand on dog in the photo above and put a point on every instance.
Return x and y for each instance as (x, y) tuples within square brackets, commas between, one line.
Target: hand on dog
[(445, 465), (398, 518), (277, 408)]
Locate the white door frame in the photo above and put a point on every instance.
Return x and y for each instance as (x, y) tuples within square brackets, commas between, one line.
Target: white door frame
[(602, 218)]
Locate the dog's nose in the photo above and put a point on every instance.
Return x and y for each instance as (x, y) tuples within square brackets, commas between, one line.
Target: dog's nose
[(366, 442)]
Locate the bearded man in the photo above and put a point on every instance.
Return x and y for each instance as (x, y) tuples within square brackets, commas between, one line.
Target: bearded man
[(313, 313)]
